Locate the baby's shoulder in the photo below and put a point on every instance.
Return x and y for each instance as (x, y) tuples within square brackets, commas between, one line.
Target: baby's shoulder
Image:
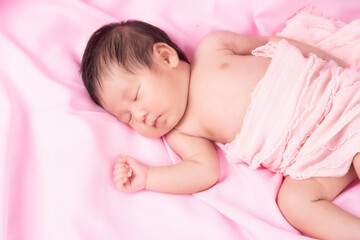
[(209, 53), (210, 44)]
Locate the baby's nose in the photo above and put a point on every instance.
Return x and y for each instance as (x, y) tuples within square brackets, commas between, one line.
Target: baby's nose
[(140, 116)]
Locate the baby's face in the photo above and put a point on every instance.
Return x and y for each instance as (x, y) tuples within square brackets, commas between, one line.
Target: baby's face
[(151, 101)]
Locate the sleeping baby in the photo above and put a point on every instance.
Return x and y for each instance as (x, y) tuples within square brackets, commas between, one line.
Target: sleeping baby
[(275, 102)]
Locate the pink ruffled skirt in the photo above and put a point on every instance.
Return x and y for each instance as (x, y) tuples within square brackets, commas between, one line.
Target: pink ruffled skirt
[(304, 117)]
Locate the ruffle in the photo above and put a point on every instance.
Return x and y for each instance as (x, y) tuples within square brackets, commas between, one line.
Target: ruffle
[(291, 147)]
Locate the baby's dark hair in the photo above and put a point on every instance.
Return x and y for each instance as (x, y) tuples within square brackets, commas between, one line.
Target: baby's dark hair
[(128, 44)]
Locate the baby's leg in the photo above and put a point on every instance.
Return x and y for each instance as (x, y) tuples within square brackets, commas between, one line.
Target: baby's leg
[(357, 164), (306, 204)]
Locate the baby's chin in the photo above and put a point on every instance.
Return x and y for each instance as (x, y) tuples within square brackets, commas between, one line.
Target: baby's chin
[(155, 132), (162, 127)]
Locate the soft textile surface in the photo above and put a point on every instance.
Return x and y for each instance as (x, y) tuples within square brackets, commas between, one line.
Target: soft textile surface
[(57, 148), (304, 117), (305, 112)]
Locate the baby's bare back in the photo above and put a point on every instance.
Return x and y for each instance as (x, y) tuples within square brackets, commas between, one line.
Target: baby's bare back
[(220, 93)]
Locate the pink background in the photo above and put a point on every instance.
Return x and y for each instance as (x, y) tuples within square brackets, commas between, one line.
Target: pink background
[(57, 148)]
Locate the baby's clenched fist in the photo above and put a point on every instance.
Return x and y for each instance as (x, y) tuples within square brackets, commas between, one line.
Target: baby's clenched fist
[(129, 175)]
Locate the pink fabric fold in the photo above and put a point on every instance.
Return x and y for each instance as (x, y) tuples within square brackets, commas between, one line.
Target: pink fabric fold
[(340, 39), (304, 116)]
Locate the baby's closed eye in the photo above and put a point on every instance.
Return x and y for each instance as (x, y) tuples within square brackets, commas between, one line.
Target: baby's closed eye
[(137, 94)]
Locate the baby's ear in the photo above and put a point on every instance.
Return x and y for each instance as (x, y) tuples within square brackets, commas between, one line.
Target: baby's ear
[(166, 54)]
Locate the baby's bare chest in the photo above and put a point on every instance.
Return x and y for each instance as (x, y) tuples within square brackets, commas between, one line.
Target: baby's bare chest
[(220, 94)]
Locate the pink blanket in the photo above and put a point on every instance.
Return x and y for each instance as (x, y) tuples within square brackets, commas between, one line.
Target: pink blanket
[(57, 148)]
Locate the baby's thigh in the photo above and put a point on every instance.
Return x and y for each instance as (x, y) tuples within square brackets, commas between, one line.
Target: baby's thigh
[(306, 205), (314, 189), (356, 163)]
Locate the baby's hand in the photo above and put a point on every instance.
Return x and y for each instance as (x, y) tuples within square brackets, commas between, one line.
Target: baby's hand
[(130, 175)]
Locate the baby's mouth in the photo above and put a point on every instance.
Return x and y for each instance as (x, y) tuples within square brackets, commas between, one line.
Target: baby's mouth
[(152, 123), (156, 123)]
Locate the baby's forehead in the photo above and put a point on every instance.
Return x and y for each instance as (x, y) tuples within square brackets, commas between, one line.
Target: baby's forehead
[(113, 68), (115, 75), (112, 72), (113, 87)]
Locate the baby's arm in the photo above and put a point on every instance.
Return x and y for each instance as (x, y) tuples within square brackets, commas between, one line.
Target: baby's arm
[(198, 170), (306, 49), (238, 44)]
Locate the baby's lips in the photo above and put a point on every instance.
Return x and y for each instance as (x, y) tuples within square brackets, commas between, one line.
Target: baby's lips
[(150, 122)]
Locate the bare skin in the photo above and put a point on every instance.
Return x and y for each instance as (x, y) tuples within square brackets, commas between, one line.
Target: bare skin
[(207, 103)]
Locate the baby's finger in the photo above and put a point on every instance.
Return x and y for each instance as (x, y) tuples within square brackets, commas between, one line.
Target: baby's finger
[(120, 166), (120, 179), (123, 159), (120, 186), (127, 172), (117, 178)]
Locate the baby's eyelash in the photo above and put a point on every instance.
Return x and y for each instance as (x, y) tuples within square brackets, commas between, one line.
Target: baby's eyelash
[(137, 93)]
